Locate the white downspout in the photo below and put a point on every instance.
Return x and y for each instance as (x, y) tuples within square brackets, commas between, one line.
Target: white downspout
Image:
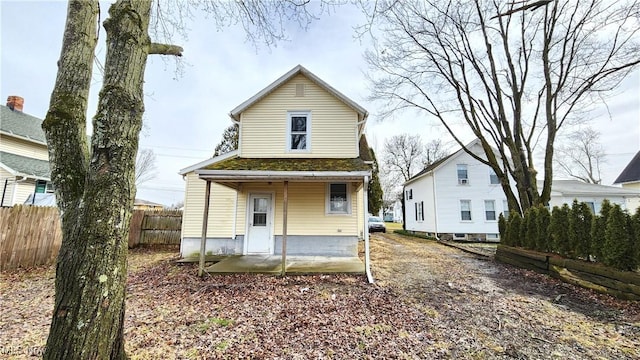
[(367, 259), (435, 207)]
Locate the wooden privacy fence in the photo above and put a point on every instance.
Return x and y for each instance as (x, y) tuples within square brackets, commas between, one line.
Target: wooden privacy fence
[(151, 227), (29, 236)]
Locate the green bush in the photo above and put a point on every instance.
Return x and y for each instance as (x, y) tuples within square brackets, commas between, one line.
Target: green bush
[(580, 230), (598, 228), (544, 219), (558, 229), (513, 229), (502, 229), (635, 223), (620, 249), (531, 220), (522, 234)]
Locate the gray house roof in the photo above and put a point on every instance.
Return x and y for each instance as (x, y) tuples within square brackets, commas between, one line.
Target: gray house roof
[(631, 173), (21, 165), (576, 187), (23, 125)]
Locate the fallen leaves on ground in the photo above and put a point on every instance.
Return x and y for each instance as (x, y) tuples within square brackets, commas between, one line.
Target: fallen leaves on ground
[(430, 301)]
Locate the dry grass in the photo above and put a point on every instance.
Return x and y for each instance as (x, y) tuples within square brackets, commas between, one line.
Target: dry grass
[(430, 302)]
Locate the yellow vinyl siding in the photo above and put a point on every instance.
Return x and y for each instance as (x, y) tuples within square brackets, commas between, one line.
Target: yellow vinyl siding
[(21, 147), (220, 211), (306, 211), (263, 127), (23, 189)]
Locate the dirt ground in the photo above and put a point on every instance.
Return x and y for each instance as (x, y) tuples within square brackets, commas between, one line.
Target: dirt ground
[(429, 302)]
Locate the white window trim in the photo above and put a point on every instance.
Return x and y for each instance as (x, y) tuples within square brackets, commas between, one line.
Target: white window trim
[(462, 181), (470, 210), (327, 197), (495, 212), (491, 172), (307, 114)]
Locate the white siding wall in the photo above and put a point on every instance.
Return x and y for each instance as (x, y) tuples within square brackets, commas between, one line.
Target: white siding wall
[(6, 186), (596, 200), (21, 147), (422, 192), (263, 127), (479, 189)]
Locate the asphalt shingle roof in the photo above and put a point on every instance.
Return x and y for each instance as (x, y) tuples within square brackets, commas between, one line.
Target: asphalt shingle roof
[(21, 124), (576, 187), (631, 172), (25, 165)]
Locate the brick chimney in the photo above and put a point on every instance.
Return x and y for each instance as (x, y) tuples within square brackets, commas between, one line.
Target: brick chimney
[(15, 103)]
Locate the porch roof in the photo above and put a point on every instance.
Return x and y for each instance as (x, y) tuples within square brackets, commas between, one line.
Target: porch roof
[(275, 169)]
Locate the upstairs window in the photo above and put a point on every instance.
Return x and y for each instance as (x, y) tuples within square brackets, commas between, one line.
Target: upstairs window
[(409, 194), (298, 131), (338, 198), (463, 175), (493, 178)]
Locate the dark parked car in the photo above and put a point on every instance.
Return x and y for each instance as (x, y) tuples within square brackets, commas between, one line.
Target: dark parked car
[(376, 224)]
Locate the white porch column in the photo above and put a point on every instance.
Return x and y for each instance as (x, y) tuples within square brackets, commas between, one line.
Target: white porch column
[(205, 221), (365, 206), (285, 205)]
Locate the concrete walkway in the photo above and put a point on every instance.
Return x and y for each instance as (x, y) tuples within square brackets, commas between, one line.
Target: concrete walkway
[(271, 264)]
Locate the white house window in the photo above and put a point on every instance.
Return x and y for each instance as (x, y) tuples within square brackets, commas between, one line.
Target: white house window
[(43, 186), (465, 210), (409, 194), (299, 131), (420, 212), (463, 176), (338, 198), (493, 178), (505, 209), (591, 206), (490, 210)]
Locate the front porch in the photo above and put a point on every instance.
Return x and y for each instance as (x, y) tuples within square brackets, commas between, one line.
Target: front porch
[(272, 264)]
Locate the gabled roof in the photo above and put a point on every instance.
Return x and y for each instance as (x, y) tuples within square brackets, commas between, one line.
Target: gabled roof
[(22, 125), (235, 113), (25, 166), (440, 163), (576, 187), (631, 173)]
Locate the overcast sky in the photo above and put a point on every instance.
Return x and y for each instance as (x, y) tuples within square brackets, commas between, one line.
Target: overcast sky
[(186, 115)]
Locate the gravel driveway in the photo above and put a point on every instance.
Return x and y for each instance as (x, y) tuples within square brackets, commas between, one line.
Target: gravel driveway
[(477, 306)]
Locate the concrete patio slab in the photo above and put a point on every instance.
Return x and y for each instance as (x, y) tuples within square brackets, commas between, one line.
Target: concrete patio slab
[(271, 264)]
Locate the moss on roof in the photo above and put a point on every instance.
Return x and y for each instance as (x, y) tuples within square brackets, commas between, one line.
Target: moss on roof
[(288, 164)]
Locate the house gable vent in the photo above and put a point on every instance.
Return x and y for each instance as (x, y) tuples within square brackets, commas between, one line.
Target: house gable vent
[(299, 90)]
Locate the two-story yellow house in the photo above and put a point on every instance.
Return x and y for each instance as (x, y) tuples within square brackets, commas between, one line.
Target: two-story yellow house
[(298, 177), (24, 159)]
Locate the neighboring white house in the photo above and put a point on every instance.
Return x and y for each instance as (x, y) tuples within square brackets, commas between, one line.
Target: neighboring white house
[(460, 198), (629, 178), (393, 212), (457, 197), (565, 191), (24, 158)]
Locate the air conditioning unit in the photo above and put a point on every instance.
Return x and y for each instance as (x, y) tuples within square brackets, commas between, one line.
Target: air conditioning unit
[(463, 181)]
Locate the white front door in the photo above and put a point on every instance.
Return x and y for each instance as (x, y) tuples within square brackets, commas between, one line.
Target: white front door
[(259, 225)]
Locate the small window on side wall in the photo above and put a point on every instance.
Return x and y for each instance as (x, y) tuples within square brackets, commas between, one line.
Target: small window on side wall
[(338, 201), (465, 210), (463, 174), (493, 178)]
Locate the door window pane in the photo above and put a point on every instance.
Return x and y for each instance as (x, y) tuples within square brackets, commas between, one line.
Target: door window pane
[(259, 219), (260, 205)]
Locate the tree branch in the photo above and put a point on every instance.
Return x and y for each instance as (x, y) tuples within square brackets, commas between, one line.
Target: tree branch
[(165, 49)]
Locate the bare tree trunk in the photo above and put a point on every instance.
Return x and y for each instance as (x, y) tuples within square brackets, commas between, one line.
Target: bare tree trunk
[(91, 272)]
